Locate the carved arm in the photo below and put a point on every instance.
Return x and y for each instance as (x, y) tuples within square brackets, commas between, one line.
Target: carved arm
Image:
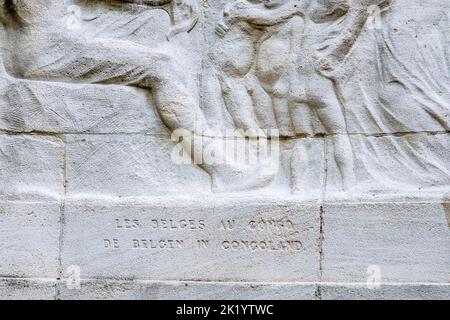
[(183, 13), (148, 2), (337, 48), (261, 15)]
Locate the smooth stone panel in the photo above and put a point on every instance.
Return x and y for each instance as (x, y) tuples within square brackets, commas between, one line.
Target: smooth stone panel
[(181, 240), (393, 242), (128, 166), (29, 239), (386, 292)]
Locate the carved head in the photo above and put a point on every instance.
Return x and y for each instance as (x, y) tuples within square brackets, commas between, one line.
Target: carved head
[(274, 3), (329, 10), (7, 9)]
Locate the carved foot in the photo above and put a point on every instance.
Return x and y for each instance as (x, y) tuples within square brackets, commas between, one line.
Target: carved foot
[(244, 178)]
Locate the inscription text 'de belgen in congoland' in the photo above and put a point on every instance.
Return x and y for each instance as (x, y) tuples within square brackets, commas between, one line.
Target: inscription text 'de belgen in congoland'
[(260, 234)]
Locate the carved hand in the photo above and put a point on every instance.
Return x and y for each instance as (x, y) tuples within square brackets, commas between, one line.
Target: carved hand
[(149, 2), (384, 4), (380, 3), (233, 11), (222, 28), (229, 15)]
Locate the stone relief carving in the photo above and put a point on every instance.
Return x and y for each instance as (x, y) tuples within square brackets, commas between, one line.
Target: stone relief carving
[(70, 57), (291, 58), (225, 148), (285, 71)]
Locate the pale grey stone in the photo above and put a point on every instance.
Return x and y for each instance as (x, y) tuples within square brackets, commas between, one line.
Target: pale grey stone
[(410, 166), (35, 106), (31, 167), (401, 242), (185, 290), (308, 164), (385, 292), (138, 124), (29, 241), (128, 166), (182, 240), (27, 289), (41, 289)]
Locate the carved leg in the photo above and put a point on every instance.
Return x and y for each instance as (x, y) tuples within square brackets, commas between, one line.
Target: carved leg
[(118, 62), (240, 104), (283, 116), (262, 103), (331, 115)]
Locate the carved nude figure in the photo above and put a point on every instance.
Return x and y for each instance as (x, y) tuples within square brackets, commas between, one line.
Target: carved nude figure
[(276, 60), (244, 24), (42, 48), (331, 29)]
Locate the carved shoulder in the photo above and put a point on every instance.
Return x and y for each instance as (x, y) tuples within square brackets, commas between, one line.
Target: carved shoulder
[(329, 10), (149, 2), (7, 10)]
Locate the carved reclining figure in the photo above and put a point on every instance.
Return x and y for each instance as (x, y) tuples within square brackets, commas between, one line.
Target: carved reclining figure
[(59, 107), (41, 47)]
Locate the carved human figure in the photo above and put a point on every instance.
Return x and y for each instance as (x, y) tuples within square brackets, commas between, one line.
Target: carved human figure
[(42, 48), (331, 30), (276, 60), (244, 24), (332, 27)]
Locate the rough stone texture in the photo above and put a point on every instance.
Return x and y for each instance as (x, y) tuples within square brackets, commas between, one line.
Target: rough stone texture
[(75, 108), (351, 98), (25, 289), (127, 166), (16, 289), (30, 245), (386, 292), (32, 167), (182, 290)]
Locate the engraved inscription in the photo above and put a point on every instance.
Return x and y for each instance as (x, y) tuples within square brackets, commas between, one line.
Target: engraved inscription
[(264, 245), (264, 234), (157, 244)]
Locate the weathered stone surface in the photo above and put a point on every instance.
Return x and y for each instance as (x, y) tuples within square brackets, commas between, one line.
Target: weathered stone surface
[(410, 166), (37, 106), (385, 292), (27, 289), (29, 239), (225, 149), (395, 242), (185, 290), (181, 240), (188, 290), (31, 167), (128, 166)]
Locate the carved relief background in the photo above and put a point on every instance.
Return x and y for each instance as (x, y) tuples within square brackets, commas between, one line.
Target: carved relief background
[(340, 108)]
